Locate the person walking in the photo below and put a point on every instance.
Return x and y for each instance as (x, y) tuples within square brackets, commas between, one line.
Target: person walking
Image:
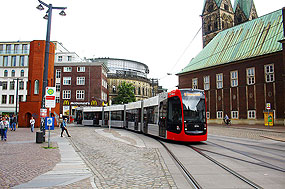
[(14, 122), (32, 122), (63, 128), (4, 124), (227, 119)]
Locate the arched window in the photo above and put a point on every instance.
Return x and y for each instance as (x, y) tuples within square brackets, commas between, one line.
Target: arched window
[(13, 73), (134, 90), (36, 89), (143, 91), (139, 91), (5, 73), (22, 73)]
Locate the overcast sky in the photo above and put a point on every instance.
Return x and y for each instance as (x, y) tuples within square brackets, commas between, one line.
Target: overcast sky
[(158, 33)]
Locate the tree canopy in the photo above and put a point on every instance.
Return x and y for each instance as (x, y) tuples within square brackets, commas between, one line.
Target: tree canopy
[(125, 94)]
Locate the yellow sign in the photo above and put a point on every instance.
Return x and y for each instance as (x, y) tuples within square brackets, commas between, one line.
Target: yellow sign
[(93, 103), (268, 118), (66, 102)]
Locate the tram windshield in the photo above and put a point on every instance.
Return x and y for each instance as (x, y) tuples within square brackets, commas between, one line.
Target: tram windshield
[(194, 106)]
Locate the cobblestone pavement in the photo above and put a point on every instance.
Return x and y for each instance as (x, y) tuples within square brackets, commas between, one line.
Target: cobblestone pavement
[(114, 164), (120, 165), (22, 158)]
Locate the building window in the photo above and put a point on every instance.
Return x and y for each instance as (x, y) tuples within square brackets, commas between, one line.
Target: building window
[(12, 85), (11, 99), (80, 69), (66, 94), (234, 78), (22, 60), (5, 60), (114, 89), (22, 73), (207, 82), (250, 74), (57, 99), (195, 83), (36, 89), (66, 80), (21, 98), (269, 73), (14, 61), (219, 78), (220, 115), (4, 99), (21, 85), (57, 87), (25, 48), (80, 94), (208, 115), (67, 69), (5, 73), (4, 85), (69, 58), (13, 73), (234, 114), (80, 81), (57, 73), (59, 58), (251, 114)]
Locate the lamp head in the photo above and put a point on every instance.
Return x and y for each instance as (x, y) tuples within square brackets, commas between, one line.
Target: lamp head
[(46, 16), (40, 7), (62, 13)]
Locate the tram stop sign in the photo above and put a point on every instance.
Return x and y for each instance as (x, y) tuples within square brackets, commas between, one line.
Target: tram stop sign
[(50, 97), (49, 123)]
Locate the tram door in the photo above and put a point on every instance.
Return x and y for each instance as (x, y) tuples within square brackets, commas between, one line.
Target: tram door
[(162, 118), (145, 121)]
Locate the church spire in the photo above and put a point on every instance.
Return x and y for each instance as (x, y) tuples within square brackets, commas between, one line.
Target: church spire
[(244, 11)]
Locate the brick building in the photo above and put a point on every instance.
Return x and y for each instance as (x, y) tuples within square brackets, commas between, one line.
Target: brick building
[(241, 70), (32, 105), (80, 84)]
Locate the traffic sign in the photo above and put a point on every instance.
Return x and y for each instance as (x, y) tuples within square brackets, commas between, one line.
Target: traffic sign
[(268, 106), (50, 97), (43, 112), (49, 123)]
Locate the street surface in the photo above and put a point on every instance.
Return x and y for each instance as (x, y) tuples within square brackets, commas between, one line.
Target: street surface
[(122, 159)]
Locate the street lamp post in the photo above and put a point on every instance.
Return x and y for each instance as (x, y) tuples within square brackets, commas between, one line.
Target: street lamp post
[(47, 16), (17, 94)]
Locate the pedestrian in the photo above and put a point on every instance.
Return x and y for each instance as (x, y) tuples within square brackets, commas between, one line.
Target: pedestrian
[(227, 119), (4, 124), (32, 122), (14, 122), (63, 128)]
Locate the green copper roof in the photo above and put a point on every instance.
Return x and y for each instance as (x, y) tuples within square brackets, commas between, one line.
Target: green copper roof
[(245, 6), (250, 39)]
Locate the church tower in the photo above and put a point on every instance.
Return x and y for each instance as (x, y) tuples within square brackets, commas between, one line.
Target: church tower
[(244, 11), (217, 15)]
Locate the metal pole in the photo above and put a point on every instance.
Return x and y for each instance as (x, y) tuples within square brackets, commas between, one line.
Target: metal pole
[(17, 90), (49, 127), (45, 75)]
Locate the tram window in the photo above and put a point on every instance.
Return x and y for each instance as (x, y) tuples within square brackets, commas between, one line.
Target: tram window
[(117, 115), (152, 114), (174, 117)]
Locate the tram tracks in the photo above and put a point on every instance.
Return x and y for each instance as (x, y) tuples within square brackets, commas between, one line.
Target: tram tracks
[(190, 178)]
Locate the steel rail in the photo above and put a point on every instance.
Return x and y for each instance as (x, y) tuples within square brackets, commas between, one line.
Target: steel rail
[(186, 173), (254, 185)]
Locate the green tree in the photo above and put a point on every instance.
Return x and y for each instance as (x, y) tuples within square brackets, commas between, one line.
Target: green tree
[(125, 94)]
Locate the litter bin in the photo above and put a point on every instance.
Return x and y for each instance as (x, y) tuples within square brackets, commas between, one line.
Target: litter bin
[(39, 137)]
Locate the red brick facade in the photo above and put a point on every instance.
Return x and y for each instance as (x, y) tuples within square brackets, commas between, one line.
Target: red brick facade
[(243, 97), (34, 99), (92, 87)]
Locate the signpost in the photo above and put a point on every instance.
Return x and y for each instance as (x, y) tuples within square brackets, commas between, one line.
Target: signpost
[(49, 103)]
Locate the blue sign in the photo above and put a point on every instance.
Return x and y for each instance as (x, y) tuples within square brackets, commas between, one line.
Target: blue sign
[(49, 123)]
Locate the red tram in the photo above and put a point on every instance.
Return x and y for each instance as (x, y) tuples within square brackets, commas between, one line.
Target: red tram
[(179, 115)]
